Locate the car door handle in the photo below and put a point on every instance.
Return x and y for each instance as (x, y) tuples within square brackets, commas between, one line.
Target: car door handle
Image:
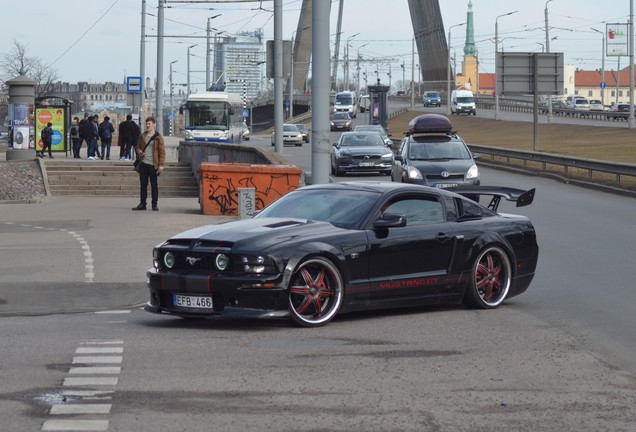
[(442, 237)]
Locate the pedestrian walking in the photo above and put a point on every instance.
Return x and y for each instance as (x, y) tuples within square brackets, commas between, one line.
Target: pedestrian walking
[(75, 138), (47, 140), (92, 135), (96, 127), (106, 130), (84, 130), (151, 151)]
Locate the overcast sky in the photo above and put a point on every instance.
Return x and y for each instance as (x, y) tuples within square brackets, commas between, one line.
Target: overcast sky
[(99, 40)]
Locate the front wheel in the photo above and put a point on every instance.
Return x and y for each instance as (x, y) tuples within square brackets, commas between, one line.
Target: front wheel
[(490, 279), (316, 292)]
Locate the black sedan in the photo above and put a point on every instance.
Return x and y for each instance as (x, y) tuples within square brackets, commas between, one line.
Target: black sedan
[(333, 248), (361, 152)]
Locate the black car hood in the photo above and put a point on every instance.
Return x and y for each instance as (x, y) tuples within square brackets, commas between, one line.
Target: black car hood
[(257, 233), (456, 166)]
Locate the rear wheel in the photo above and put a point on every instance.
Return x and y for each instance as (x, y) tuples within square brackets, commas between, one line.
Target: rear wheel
[(490, 279), (316, 292)]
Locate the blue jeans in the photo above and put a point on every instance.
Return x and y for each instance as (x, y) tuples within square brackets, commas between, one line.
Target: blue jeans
[(92, 146), (77, 146), (106, 147)]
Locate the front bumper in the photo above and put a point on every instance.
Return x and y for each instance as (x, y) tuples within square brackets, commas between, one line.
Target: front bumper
[(254, 296)]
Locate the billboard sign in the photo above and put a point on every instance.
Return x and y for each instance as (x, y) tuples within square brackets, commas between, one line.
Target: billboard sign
[(617, 40)]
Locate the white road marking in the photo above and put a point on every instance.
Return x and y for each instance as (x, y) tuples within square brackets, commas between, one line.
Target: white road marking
[(75, 425), (112, 312), (97, 359), (90, 381), (99, 350), (103, 342), (63, 409), (95, 370), (87, 393)]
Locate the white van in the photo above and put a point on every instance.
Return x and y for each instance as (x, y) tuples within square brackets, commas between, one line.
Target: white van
[(463, 101), (365, 103), (346, 101)]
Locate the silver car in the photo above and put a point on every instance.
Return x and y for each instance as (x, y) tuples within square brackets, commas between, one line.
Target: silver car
[(291, 135)]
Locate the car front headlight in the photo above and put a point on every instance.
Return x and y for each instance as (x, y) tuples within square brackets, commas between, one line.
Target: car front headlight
[(258, 264), (188, 134), (414, 173), (472, 173), (387, 157)]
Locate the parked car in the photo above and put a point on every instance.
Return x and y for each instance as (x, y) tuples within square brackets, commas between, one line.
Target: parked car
[(433, 154), (621, 109), (431, 98), (327, 249), (303, 130), (340, 121), (291, 135), (361, 152), (596, 105), (375, 128), (556, 104)]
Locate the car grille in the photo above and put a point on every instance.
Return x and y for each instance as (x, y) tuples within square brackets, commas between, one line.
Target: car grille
[(370, 158), (451, 177)]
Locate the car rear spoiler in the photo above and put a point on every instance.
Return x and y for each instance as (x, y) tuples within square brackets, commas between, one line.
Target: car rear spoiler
[(521, 197)]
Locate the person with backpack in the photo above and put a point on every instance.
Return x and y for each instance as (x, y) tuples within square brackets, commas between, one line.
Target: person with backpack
[(47, 139), (106, 130)]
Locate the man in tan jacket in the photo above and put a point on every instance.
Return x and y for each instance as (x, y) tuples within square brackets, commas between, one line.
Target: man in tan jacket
[(151, 150)]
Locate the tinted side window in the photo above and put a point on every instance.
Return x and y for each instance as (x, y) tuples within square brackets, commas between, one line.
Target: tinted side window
[(418, 210)]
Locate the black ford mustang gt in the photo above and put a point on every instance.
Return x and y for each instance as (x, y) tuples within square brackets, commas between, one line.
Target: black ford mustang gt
[(341, 247)]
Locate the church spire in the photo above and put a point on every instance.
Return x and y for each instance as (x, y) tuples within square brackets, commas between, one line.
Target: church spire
[(469, 47)]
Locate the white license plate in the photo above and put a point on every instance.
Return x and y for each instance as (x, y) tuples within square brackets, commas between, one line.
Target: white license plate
[(367, 164), (445, 185), (194, 302)]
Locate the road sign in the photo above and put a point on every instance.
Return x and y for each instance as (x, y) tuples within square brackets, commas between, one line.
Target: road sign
[(170, 115), (246, 112), (133, 84), (603, 84), (524, 73)]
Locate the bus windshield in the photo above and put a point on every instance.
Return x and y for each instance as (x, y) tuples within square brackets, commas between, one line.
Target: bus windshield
[(208, 115)]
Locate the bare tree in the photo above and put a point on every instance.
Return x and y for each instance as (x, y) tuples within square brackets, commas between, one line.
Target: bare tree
[(17, 62)]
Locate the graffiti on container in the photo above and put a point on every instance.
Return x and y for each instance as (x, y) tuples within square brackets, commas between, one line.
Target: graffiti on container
[(223, 191)]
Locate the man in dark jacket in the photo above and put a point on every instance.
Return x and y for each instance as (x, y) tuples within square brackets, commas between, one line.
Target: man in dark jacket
[(106, 130), (129, 136), (47, 140)]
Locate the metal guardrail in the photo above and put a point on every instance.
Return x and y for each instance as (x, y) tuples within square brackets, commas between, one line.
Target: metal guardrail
[(524, 106), (619, 177)]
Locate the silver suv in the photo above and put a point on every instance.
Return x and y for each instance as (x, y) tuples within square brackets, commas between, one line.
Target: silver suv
[(431, 98)]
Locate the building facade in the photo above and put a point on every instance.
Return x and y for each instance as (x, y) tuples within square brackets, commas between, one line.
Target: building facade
[(239, 64)]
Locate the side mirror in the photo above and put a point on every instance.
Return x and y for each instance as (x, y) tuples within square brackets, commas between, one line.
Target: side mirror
[(476, 156), (334, 145), (390, 220), (399, 158)]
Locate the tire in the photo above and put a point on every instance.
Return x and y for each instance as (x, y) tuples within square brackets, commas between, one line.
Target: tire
[(316, 292), (490, 279)]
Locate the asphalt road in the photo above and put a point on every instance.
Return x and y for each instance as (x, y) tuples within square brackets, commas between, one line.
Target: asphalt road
[(560, 357)]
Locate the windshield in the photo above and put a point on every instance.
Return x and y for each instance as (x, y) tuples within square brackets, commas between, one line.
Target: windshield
[(466, 99), (432, 95), (341, 208), (435, 150), (344, 100), (378, 129), (290, 128), (341, 116), (207, 116), (362, 140)]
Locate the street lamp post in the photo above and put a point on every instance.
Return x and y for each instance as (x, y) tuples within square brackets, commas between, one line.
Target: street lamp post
[(188, 84), (171, 108), (207, 51), (496, 50), (448, 75), (358, 67), (346, 77), (547, 49), (602, 65)]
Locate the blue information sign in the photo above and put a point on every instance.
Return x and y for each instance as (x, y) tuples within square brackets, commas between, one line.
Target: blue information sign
[(246, 112), (603, 84), (133, 84)]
